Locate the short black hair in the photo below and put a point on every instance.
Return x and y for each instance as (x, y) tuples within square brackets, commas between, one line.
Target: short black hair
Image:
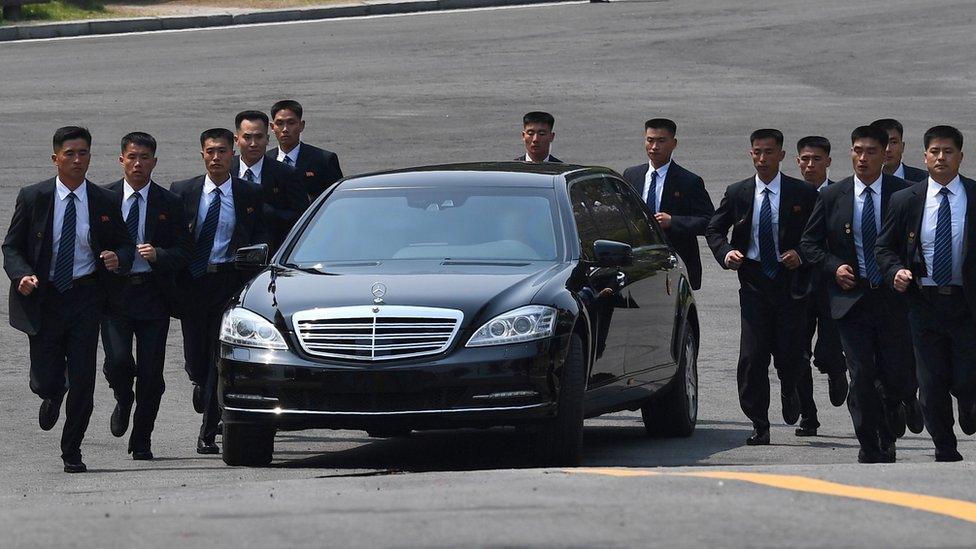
[(943, 132), (539, 117), (141, 139), (888, 124), (661, 124), (767, 133), (68, 133), (813, 142), (217, 133), (877, 133), (250, 116), (287, 105)]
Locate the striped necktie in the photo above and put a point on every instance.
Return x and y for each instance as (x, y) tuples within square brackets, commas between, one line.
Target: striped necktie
[(869, 235), (767, 244), (208, 231), (652, 193), (942, 256), (65, 262), (288, 162), (132, 219)]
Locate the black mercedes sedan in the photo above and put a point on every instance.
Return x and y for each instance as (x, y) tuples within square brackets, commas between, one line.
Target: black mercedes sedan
[(466, 295)]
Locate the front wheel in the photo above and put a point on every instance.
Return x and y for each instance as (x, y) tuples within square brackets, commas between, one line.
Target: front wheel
[(248, 445), (560, 440), (675, 414)]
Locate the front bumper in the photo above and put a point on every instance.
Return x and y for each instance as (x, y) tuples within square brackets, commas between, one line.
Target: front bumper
[(502, 385)]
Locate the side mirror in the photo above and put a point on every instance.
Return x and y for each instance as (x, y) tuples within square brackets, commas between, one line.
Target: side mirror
[(613, 254), (251, 257)]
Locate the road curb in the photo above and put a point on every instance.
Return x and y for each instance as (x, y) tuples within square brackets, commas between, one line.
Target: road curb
[(178, 22)]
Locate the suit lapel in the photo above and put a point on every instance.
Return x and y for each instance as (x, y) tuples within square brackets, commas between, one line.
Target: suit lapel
[(666, 191), (193, 204), (916, 215), (152, 210), (94, 215), (42, 223), (969, 234), (240, 210), (785, 207), (845, 215)]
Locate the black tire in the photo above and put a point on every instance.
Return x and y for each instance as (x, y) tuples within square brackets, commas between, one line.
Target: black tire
[(675, 413), (248, 445), (559, 441)]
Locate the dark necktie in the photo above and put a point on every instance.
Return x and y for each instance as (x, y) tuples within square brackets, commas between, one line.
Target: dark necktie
[(942, 257), (767, 245), (288, 162), (869, 235), (249, 175), (205, 242), (132, 219), (652, 193), (65, 262)]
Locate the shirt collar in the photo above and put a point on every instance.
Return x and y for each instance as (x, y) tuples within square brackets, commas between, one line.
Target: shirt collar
[(293, 154), (954, 186), (773, 185), (900, 171), (63, 190), (875, 186), (823, 185), (662, 171), (529, 158), (128, 191), (227, 187), (255, 169)]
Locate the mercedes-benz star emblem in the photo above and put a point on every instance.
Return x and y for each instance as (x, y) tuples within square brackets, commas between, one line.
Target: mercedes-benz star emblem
[(379, 290)]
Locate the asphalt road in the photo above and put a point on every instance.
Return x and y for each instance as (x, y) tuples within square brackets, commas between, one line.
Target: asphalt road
[(397, 91)]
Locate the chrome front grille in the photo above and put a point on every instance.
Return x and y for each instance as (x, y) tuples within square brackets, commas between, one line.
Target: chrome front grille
[(376, 332)]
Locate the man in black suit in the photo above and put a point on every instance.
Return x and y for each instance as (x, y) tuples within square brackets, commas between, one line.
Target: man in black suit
[(285, 199), (924, 252), (537, 135), (142, 302), (224, 214), (318, 168), (895, 150), (813, 159), (675, 196), (65, 236), (767, 213), (841, 239)]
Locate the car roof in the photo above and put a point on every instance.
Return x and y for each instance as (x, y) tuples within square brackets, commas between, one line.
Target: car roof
[(495, 174)]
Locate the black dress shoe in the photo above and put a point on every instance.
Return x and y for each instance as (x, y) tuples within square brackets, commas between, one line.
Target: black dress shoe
[(894, 413), (967, 416), (47, 416), (198, 401), (207, 447), (913, 415), (142, 455), (758, 438), (806, 431), (75, 467), (870, 456), (837, 387), (948, 455), (791, 408), (120, 419)]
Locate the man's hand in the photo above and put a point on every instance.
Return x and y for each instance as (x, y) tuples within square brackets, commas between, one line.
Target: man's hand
[(663, 219), (845, 277), (110, 259), (147, 252), (733, 259), (27, 285), (790, 259), (902, 279)]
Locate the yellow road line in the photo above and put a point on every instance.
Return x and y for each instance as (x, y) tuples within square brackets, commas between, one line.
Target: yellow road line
[(955, 508)]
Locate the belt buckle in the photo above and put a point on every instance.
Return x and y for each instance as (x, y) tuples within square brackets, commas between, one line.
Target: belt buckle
[(874, 286), (944, 290)]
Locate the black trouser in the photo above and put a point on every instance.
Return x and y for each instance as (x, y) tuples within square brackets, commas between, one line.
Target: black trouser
[(827, 355), (118, 329), (877, 344), (773, 325), (62, 356), (207, 297), (944, 333)]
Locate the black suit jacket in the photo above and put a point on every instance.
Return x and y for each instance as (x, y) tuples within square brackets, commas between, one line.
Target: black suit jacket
[(685, 198), (828, 240), (317, 168), (551, 159), (166, 230), (28, 245), (735, 212), (900, 242), (285, 199), (914, 174)]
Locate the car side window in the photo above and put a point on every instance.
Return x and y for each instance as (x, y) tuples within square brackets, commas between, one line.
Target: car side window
[(645, 234), (598, 213)]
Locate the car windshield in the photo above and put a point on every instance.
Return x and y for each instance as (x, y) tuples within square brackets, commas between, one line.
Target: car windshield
[(452, 223)]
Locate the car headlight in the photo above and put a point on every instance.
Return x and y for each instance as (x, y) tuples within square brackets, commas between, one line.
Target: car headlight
[(249, 329), (522, 324)]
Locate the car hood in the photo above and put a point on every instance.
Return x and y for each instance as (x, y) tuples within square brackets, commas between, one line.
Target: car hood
[(479, 291)]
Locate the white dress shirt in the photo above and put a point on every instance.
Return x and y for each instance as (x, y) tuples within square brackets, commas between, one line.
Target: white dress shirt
[(139, 265), (930, 216), (757, 200), (900, 172), (84, 256), (293, 154), (529, 159), (225, 226), (859, 187), (662, 172), (822, 186), (255, 170)]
